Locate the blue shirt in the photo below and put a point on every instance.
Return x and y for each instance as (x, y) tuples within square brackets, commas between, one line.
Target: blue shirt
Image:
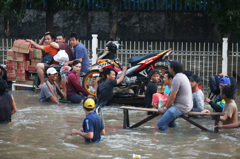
[(93, 123), (167, 90), (80, 51)]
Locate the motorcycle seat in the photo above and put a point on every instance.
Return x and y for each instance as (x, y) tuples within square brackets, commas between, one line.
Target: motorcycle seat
[(136, 59)]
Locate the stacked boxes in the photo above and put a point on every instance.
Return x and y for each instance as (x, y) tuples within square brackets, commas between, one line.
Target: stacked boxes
[(35, 56), (21, 61)]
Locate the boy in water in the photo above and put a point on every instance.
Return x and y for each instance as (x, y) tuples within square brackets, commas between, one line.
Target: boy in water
[(218, 102), (151, 88), (230, 108), (92, 127), (197, 95), (167, 78)]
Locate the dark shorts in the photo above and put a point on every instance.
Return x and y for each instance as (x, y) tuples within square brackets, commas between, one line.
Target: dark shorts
[(75, 98), (46, 66)]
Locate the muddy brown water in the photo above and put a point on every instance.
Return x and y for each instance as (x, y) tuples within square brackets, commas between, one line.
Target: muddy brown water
[(42, 131)]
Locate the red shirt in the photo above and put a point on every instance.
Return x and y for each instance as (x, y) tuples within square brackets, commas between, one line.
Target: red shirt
[(73, 84)]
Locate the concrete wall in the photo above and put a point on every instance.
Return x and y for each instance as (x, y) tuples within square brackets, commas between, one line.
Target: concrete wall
[(155, 26)]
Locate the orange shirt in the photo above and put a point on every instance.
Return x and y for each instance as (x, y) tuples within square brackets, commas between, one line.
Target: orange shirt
[(52, 51)]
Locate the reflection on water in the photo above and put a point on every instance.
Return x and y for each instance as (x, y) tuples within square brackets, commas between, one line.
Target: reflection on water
[(43, 131)]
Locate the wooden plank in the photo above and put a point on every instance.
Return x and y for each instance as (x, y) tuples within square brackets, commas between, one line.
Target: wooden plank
[(137, 108), (155, 110), (62, 95), (184, 116), (50, 89), (199, 113), (125, 119), (144, 121), (192, 122), (217, 118)]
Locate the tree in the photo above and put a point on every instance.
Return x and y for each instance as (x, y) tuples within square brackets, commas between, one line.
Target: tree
[(114, 5), (51, 7), (225, 14), (10, 8)]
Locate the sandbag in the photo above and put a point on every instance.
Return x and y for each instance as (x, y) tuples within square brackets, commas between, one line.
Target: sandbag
[(156, 98)]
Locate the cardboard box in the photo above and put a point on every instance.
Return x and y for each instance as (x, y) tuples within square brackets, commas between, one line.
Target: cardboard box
[(10, 55), (35, 53), (11, 75), (20, 57), (23, 65), (32, 68), (21, 75), (21, 46), (11, 65), (29, 82), (34, 62)]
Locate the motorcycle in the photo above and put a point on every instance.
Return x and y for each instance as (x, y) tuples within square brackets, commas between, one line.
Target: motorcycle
[(136, 76)]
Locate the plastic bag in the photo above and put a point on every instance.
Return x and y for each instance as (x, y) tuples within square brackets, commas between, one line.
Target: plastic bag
[(156, 98), (61, 57)]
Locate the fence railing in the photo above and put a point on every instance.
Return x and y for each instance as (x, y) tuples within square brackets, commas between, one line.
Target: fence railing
[(204, 59), (141, 5)]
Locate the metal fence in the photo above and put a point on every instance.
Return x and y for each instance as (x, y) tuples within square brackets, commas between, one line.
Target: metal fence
[(140, 5), (204, 59), (234, 60)]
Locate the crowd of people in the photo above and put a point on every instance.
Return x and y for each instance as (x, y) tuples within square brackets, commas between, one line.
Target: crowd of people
[(185, 95), (183, 89)]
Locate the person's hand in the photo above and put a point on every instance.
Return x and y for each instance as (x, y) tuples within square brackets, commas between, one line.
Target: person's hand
[(222, 75), (207, 100), (154, 105), (81, 129), (205, 111), (161, 111), (65, 64), (124, 68), (74, 131), (29, 40), (218, 126), (97, 79)]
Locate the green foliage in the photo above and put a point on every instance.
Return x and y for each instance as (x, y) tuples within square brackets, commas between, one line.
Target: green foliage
[(227, 16), (56, 5), (9, 8)]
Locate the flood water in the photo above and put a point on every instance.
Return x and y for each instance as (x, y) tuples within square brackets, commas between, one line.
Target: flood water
[(43, 131)]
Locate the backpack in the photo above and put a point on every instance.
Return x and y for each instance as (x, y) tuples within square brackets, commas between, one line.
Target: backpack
[(214, 84), (233, 83)]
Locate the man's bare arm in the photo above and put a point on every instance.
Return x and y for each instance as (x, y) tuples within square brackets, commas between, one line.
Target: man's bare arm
[(36, 45), (70, 62), (120, 79), (54, 45)]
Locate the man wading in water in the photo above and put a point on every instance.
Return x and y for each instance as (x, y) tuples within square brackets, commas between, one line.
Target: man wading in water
[(92, 127), (180, 99)]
